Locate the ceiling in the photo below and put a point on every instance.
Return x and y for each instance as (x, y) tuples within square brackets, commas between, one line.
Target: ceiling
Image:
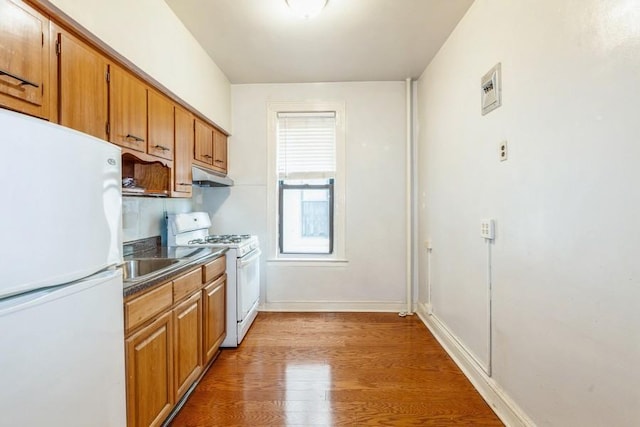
[(261, 41)]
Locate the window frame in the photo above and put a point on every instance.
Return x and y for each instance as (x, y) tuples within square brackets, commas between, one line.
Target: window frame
[(339, 206)]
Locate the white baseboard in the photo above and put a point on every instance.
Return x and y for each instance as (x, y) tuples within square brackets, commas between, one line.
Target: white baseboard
[(328, 306), (504, 407)]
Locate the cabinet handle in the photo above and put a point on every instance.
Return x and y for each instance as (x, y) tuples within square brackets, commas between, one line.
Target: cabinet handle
[(219, 161), (22, 81), (161, 147), (136, 138), (185, 183), (208, 156)]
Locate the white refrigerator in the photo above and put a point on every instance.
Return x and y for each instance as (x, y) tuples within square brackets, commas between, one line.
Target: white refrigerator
[(61, 320)]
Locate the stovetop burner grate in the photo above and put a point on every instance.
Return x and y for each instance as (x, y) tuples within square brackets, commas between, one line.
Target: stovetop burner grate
[(221, 239)]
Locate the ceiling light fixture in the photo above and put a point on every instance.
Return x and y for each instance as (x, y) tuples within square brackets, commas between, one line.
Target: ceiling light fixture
[(306, 9)]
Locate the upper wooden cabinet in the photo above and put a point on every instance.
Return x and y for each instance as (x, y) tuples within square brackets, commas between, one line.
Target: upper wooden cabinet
[(80, 83), (219, 151), (183, 178), (161, 126), (127, 110), (210, 147), (203, 152), (50, 68), (24, 59), (142, 119)]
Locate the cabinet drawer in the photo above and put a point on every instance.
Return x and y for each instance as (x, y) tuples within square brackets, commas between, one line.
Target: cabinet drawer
[(214, 269), (187, 284), (139, 310)]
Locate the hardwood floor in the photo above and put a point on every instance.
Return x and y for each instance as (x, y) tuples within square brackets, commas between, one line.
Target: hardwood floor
[(335, 369)]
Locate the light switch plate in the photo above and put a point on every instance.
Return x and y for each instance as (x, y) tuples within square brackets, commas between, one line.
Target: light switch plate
[(491, 89), (487, 229)]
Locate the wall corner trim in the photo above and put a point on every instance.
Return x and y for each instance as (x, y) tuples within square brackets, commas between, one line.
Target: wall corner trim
[(504, 407)]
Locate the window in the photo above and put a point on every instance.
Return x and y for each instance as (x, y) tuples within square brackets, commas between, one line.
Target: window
[(306, 173), (307, 157)]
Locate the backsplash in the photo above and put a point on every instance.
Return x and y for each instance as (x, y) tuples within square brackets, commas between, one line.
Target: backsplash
[(143, 217)]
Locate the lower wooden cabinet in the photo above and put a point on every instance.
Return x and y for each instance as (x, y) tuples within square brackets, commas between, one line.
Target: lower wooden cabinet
[(187, 321), (172, 332), (150, 373), (214, 316)]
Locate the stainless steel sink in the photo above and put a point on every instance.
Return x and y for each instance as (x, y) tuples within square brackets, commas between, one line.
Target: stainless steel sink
[(135, 268)]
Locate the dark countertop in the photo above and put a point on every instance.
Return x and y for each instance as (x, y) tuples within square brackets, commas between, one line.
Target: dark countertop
[(189, 257)]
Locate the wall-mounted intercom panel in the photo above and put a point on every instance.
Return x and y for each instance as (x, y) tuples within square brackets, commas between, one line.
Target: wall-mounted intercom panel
[(491, 90)]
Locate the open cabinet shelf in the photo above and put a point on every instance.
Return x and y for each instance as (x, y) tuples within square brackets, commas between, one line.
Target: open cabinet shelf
[(152, 176)]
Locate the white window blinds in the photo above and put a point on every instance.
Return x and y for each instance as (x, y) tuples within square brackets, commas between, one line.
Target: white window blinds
[(306, 145)]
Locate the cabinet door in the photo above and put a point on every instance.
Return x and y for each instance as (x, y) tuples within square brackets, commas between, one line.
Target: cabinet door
[(184, 152), (24, 59), (128, 110), (82, 87), (214, 317), (187, 321), (203, 143), (219, 151), (161, 126), (149, 355)]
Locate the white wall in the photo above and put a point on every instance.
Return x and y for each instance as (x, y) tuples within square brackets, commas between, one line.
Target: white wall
[(148, 33), (374, 277), (565, 269)]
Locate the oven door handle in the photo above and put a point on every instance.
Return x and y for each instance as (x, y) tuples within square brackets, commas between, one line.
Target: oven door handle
[(253, 255)]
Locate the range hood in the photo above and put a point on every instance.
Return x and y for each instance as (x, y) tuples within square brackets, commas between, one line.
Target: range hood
[(203, 178)]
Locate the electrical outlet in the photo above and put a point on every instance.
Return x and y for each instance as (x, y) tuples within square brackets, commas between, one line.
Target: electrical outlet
[(502, 151), (487, 229)]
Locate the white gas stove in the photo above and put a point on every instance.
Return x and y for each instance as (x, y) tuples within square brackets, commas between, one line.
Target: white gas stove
[(243, 267)]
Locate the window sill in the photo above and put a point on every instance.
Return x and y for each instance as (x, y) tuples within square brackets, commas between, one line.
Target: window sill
[(308, 262)]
